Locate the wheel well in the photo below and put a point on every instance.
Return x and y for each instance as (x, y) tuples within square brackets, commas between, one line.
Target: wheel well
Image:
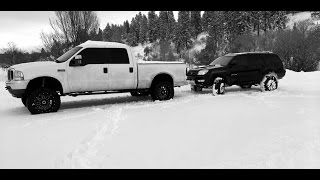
[(48, 82), (161, 77)]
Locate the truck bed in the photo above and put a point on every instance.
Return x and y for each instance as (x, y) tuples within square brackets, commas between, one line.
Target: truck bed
[(147, 70)]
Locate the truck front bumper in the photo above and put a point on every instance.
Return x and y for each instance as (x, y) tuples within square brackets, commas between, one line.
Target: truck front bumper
[(16, 88)]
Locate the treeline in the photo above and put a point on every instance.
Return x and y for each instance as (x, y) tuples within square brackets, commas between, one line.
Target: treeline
[(172, 38), (13, 55)]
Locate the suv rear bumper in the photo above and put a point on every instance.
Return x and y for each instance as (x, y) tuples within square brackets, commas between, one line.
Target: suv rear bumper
[(16, 88)]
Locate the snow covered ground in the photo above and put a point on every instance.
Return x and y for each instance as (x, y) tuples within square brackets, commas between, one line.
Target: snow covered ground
[(241, 129)]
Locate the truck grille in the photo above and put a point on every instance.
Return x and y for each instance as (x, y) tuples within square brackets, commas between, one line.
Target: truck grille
[(10, 74)]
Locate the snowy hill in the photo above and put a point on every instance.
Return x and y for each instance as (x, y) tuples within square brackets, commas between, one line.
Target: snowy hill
[(241, 129)]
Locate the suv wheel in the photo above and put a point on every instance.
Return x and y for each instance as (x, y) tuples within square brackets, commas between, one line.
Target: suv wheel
[(43, 100), (269, 82), (162, 90), (218, 86), (195, 88)]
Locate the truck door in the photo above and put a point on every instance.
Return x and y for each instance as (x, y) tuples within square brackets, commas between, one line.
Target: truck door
[(92, 74), (121, 71)]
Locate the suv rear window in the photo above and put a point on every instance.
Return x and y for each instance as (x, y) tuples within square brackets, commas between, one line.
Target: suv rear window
[(273, 60), (255, 60)]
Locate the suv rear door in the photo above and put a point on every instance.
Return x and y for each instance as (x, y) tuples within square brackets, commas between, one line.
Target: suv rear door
[(255, 64), (238, 69)]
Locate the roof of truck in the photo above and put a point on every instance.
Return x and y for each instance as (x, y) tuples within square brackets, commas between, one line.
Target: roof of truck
[(102, 44)]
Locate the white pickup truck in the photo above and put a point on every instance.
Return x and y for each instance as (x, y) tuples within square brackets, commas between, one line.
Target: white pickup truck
[(93, 67)]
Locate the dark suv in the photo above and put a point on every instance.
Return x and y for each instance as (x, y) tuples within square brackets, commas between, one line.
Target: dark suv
[(242, 69)]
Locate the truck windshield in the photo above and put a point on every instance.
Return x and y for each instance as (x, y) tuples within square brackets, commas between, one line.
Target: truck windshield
[(68, 54), (221, 61)]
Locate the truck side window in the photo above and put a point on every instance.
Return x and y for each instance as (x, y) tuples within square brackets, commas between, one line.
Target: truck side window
[(94, 56), (118, 56)]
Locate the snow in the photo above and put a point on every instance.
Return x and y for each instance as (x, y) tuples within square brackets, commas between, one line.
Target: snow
[(241, 129)]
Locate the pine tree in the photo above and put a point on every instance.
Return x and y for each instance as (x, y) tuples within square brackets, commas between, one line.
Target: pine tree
[(205, 19), (152, 26), (107, 33), (171, 25), (126, 26), (143, 29), (163, 25), (133, 36), (195, 23)]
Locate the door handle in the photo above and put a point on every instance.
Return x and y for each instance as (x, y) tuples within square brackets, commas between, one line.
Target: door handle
[(131, 69), (105, 70)]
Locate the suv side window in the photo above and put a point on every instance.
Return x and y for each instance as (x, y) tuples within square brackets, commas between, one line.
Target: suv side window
[(118, 56), (255, 60), (240, 61), (94, 56)]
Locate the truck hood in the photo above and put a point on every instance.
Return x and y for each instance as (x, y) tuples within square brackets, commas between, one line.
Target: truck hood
[(33, 65), (41, 68)]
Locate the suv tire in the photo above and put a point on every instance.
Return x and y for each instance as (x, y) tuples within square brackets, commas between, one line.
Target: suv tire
[(43, 100), (162, 90), (218, 86), (269, 82)]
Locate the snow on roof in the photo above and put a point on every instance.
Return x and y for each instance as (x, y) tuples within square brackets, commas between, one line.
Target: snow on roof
[(104, 44)]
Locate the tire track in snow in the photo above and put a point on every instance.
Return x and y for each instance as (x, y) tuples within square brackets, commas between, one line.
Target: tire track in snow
[(85, 156)]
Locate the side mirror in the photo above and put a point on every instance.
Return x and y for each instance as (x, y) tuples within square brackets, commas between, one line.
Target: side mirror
[(77, 61)]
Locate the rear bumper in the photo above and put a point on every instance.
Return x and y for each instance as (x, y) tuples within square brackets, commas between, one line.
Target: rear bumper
[(16, 88)]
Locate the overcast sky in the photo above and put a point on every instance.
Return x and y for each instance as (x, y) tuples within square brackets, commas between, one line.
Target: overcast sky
[(24, 27)]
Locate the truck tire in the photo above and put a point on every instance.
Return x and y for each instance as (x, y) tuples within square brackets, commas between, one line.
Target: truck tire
[(218, 86), (162, 90), (43, 100), (24, 100), (269, 82), (135, 93)]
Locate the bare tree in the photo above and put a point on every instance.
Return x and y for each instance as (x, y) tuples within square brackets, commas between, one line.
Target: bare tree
[(70, 28), (11, 50), (74, 26)]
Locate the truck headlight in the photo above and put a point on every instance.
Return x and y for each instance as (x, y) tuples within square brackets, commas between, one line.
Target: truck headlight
[(203, 72), (18, 75)]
